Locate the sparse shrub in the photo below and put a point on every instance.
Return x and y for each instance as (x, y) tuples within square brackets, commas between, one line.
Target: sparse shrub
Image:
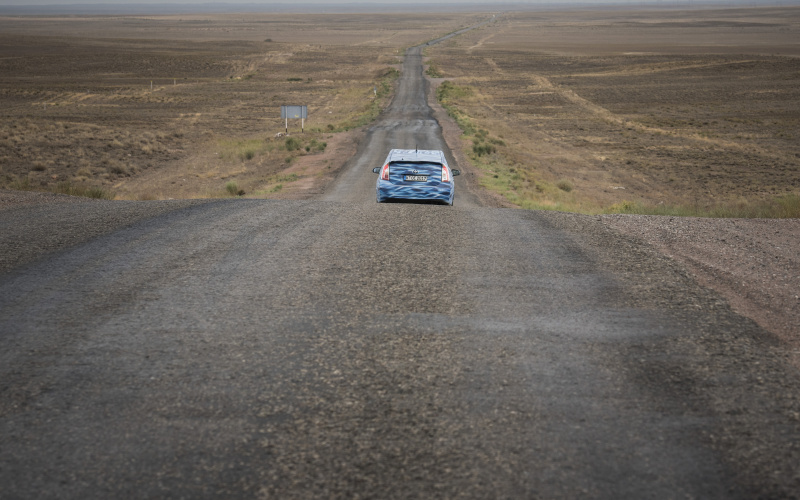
[(292, 144), (564, 185), (483, 149), (287, 178), (96, 192), (23, 184), (39, 166), (317, 146), (434, 72), (232, 188), (623, 207), (449, 90), (294, 79), (117, 169)]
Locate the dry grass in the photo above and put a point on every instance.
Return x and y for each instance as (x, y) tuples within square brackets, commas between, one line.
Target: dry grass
[(598, 111), (79, 106)]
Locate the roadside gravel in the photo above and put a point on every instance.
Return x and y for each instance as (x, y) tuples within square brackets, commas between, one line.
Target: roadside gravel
[(753, 263), (35, 224)]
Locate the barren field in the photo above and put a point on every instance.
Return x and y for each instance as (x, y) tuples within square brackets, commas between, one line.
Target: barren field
[(189, 106), (592, 111)]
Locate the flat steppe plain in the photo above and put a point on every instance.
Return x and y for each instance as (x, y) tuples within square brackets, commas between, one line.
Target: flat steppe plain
[(180, 106), (692, 108)]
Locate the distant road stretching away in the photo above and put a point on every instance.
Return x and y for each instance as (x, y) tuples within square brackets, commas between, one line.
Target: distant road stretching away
[(337, 348)]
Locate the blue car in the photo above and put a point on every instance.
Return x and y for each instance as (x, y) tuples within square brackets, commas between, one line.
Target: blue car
[(410, 174)]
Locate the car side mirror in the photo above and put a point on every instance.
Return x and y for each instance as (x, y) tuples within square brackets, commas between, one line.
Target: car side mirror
[(376, 170), (456, 172)]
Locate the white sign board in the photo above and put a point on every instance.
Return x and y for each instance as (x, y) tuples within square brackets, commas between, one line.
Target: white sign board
[(294, 112)]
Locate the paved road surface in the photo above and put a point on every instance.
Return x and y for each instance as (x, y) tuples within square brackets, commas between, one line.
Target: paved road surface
[(337, 348)]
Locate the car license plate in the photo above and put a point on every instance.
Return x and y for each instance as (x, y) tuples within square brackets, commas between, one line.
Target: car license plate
[(418, 178)]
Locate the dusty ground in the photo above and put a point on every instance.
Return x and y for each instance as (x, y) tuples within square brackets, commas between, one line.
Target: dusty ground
[(180, 106), (690, 108), (753, 263)]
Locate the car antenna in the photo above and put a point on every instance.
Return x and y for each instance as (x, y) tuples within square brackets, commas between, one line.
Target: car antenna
[(416, 149)]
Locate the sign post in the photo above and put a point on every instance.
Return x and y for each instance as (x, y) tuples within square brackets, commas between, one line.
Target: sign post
[(295, 112)]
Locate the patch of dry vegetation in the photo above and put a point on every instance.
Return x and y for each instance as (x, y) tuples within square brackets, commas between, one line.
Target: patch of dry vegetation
[(170, 107), (632, 112)]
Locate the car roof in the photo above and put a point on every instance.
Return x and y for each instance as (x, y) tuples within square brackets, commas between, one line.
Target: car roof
[(426, 155)]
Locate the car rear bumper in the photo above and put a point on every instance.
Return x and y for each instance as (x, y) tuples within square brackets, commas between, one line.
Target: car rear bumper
[(404, 192)]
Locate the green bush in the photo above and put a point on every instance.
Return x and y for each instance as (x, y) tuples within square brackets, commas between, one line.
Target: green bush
[(434, 72), (449, 90), (292, 144), (233, 189), (317, 146), (564, 185), (483, 149)]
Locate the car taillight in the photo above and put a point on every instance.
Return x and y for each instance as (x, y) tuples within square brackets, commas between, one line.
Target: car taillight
[(445, 174), (385, 173)]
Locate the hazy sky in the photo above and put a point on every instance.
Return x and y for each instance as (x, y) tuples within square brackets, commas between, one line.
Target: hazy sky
[(267, 2), (485, 3), (284, 2)]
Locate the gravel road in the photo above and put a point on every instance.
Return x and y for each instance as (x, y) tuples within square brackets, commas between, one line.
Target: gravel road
[(339, 348)]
